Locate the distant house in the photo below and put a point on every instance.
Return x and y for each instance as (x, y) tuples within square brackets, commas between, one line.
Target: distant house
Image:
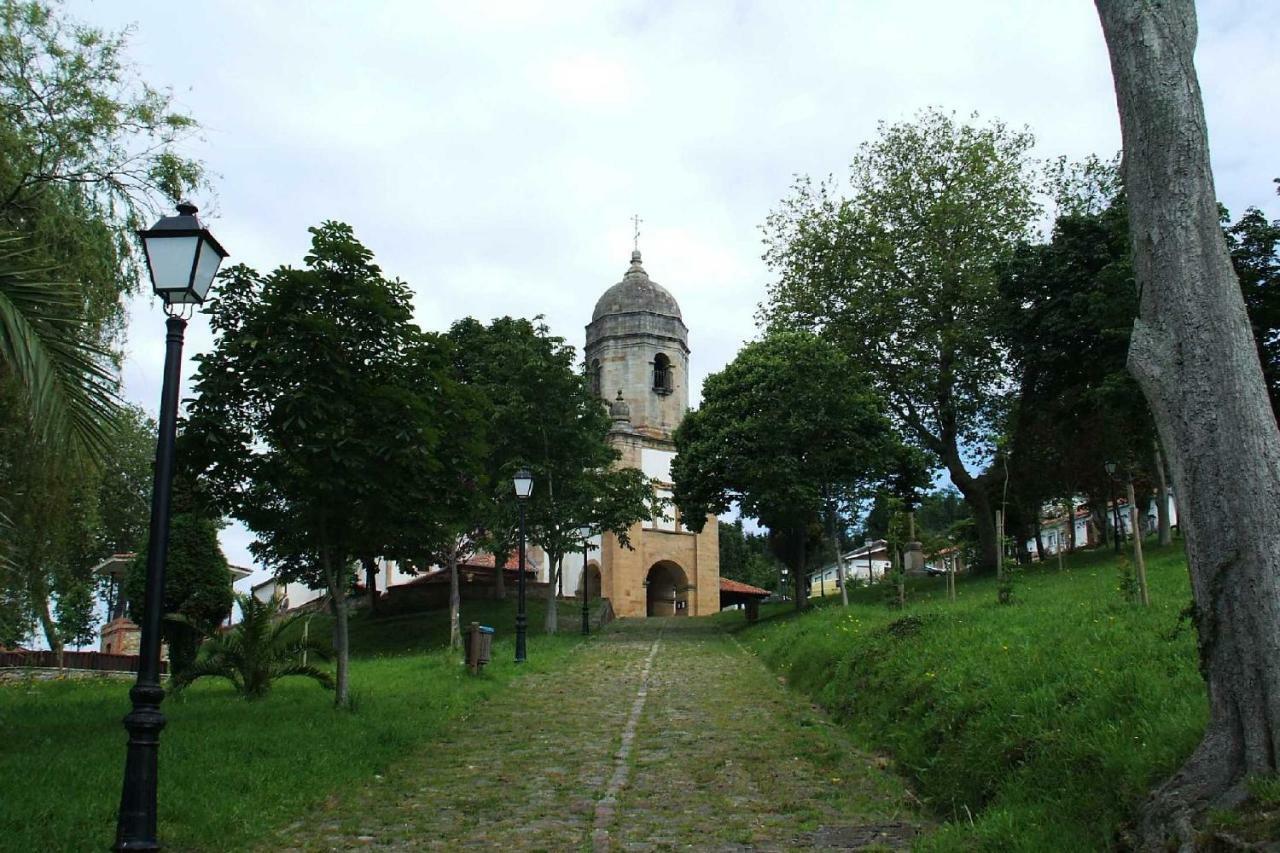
[(1054, 528), (477, 568), (867, 563)]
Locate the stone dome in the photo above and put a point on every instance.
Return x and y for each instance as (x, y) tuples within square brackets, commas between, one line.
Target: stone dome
[(637, 293)]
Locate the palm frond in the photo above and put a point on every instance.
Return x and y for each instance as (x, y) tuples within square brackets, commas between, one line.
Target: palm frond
[(212, 666), (306, 670), (69, 381)]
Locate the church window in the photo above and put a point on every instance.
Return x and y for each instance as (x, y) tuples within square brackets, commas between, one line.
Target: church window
[(662, 379), (594, 374)]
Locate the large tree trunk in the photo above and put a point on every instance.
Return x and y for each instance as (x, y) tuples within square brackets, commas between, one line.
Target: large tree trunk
[(334, 580), (975, 495), (798, 568), (1193, 354), (40, 597), (1162, 500)]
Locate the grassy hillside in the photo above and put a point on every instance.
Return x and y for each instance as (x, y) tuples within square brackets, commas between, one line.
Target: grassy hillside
[(411, 633), (231, 771), (1033, 726)]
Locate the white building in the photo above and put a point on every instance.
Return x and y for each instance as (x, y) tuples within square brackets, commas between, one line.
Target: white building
[(870, 562)]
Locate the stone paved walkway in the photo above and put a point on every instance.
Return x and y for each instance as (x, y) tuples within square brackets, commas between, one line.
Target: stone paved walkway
[(661, 735)]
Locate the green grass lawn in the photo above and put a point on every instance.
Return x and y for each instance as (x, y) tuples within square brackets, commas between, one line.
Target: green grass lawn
[(1034, 726), (233, 771)]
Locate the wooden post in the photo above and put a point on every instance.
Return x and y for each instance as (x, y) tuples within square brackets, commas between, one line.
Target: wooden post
[(1139, 563), (999, 544)]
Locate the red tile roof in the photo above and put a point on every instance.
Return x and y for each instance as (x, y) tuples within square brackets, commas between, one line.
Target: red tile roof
[(727, 585)]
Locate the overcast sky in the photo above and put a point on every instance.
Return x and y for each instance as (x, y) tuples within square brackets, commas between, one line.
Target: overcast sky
[(492, 154)]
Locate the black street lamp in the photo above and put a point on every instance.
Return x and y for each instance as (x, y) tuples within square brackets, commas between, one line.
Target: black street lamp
[(182, 259), (523, 482), (585, 533)]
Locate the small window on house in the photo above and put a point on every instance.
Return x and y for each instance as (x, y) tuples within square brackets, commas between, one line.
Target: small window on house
[(594, 375), (662, 380)]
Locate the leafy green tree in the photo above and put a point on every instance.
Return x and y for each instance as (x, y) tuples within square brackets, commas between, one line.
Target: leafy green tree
[(543, 415), (197, 587), (1255, 254), (788, 424), (256, 652), (90, 150), (51, 544), (314, 415), (87, 154), (745, 556), (733, 549), (902, 275), (124, 487), (442, 521), (1068, 307), (504, 362)]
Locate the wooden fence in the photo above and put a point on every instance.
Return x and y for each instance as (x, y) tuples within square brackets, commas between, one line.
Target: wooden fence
[(74, 660)]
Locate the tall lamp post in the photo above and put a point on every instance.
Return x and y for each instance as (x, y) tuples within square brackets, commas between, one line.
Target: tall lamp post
[(182, 259), (585, 532), (523, 481)]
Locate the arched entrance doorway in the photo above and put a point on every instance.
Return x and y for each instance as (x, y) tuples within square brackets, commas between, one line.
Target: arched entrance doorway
[(666, 590)]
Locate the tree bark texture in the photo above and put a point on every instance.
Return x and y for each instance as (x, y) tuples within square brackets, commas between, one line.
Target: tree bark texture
[(1162, 500), (798, 569), (51, 634), (341, 638), (1194, 357), (975, 494), (455, 603)]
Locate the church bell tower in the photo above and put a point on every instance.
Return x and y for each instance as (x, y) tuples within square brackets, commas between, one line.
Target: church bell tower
[(637, 357)]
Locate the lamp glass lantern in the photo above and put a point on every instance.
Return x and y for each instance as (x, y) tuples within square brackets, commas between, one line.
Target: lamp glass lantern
[(584, 532), (1110, 465), (182, 257), (523, 481)]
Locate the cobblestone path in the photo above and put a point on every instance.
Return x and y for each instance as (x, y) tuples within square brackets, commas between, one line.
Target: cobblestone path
[(659, 735)]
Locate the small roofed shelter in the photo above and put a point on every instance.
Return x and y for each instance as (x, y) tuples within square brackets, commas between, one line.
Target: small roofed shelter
[(119, 635), (736, 592)]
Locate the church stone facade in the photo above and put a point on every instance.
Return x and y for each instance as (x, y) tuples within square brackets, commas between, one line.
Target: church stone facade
[(637, 357)]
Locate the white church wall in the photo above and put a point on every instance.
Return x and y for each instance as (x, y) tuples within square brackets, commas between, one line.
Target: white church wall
[(572, 566)]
